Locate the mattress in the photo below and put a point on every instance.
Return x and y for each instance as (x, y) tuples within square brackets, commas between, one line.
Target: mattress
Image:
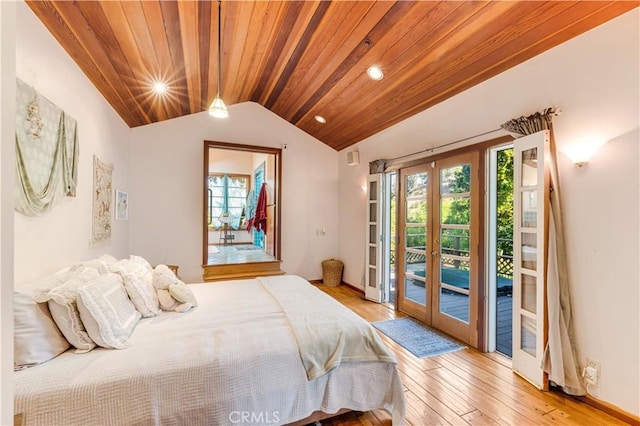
[(232, 360)]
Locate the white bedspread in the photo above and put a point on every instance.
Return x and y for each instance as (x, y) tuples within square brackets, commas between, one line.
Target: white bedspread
[(232, 360)]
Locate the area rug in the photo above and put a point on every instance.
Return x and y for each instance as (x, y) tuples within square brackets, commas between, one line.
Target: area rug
[(418, 339), (247, 248)]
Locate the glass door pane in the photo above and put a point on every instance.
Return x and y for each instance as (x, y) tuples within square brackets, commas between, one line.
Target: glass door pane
[(415, 237), (455, 231)]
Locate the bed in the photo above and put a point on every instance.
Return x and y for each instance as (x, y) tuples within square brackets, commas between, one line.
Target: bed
[(262, 351)]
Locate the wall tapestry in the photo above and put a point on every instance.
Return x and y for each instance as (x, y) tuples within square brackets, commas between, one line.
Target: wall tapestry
[(101, 201), (46, 153)]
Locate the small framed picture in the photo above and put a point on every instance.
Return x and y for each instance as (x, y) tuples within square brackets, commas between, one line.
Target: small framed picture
[(122, 205)]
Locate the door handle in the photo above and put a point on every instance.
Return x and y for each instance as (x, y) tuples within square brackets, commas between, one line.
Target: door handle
[(434, 253)]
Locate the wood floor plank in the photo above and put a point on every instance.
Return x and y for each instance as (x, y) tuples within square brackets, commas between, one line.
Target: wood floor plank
[(477, 417), (453, 410), (515, 392), (420, 413), (465, 387), (480, 399), (495, 403)]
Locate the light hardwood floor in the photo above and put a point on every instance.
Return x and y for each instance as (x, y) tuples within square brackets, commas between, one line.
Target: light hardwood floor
[(463, 387)]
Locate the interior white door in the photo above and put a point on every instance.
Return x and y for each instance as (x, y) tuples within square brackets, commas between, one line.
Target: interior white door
[(531, 209), (374, 246)]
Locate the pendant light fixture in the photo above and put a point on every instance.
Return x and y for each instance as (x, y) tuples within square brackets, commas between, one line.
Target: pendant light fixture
[(217, 108)]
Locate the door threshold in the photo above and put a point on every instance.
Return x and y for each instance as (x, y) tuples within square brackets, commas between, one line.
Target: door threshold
[(500, 358)]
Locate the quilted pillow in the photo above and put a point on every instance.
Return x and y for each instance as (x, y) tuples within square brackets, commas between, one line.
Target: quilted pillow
[(138, 284), (106, 311), (141, 261), (62, 301), (36, 338)]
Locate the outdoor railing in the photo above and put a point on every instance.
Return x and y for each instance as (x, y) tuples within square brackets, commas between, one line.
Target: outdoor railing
[(504, 261)]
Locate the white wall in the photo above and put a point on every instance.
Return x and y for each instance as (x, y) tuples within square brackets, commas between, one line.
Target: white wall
[(62, 236), (594, 79), (7, 170), (602, 221), (227, 161), (166, 188)]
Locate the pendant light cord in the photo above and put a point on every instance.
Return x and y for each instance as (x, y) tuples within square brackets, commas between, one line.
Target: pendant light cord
[(219, 43)]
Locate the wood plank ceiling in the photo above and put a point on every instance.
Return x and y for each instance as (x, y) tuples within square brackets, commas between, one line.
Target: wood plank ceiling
[(300, 59)]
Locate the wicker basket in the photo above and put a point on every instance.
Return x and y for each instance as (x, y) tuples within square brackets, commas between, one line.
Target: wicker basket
[(332, 272)]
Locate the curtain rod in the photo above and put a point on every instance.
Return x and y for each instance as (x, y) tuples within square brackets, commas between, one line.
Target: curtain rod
[(390, 163), (430, 150)]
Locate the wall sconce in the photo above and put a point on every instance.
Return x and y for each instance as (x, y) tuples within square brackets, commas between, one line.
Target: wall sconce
[(581, 153)]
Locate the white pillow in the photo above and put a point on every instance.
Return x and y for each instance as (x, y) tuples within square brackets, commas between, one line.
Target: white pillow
[(106, 311), (142, 261), (62, 302), (36, 338), (137, 282), (102, 264)]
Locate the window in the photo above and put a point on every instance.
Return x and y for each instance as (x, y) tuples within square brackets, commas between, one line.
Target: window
[(227, 195)]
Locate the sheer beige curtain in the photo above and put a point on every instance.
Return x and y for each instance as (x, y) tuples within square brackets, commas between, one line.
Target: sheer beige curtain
[(560, 356)]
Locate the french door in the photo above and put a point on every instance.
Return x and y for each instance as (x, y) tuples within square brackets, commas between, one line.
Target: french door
[(531, 210), (375, 238), (438, 244)]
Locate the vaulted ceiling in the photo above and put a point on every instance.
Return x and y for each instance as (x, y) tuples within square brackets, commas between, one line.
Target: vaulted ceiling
[(300, 59)]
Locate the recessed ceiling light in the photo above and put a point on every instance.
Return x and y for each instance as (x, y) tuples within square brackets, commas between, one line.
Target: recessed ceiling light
[(375, 73), (160, 87), (320, 119)]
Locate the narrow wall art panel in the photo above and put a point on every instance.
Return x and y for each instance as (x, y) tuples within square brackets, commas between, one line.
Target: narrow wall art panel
[(102, 195), (46, 153)]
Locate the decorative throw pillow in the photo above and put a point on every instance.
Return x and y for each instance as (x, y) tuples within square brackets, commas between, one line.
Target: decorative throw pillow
[(182, 293), (169, 304), (36, 337), (106, 311), (102, 264), (138, 284), (62, 301), (163, 277), (163, 280)]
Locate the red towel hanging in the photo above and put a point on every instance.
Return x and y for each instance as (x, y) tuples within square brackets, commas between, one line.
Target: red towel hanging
[(259, 220)]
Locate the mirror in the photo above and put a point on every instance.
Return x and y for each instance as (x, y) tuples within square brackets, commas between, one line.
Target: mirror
[(241, 220)]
